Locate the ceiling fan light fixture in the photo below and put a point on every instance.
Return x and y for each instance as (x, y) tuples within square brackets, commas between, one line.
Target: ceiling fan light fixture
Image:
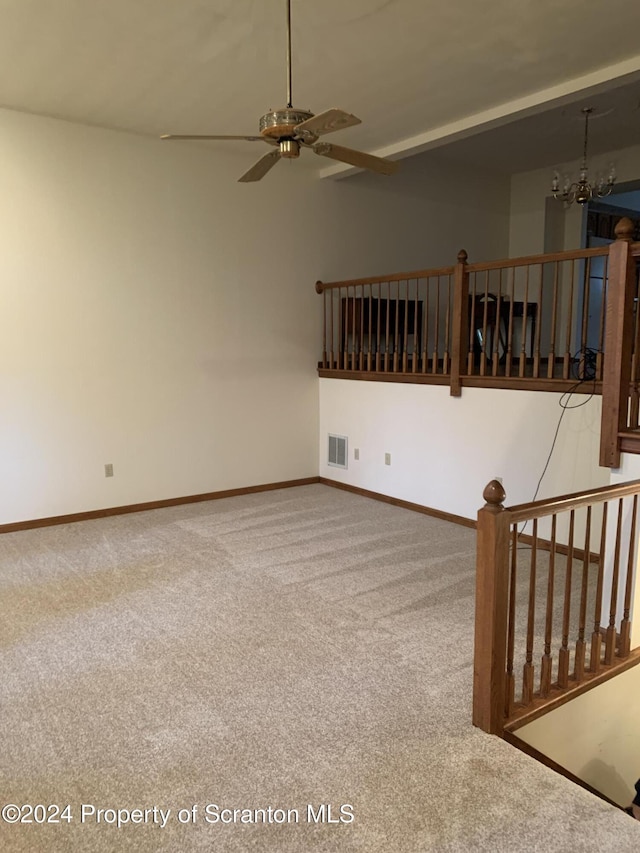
[(289, 149)]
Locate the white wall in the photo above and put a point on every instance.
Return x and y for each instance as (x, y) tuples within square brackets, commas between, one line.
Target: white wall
[(158, 315), (603, 748), (444, 450)]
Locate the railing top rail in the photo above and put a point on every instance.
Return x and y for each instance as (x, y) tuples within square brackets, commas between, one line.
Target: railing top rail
[(532, 260), (549, 506), (635, 250), (382, 279)]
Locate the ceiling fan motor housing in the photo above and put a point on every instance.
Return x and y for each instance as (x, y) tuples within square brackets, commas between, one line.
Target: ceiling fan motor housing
[(279, 124)]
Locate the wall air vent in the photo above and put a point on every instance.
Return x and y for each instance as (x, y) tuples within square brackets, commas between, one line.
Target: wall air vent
[(338, 451)]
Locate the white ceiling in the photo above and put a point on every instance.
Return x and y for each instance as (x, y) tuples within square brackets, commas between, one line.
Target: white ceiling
[(498, 81)]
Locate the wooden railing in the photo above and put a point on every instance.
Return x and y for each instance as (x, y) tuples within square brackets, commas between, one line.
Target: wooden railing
[(553, 599), (620, 395), (397, 324), (541, 322)]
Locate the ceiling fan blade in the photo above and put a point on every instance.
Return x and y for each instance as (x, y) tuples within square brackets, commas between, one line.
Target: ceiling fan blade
[(197, 136), (260, 169), (356, 158), (327, 122)]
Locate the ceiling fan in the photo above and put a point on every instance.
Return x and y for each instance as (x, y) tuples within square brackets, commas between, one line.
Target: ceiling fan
[(290, 130)]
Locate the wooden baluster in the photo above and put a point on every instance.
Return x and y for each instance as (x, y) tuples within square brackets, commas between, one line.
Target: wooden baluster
[(350, 317), (324, 328), (610, 636), (387, 312), (378, 324), (563, 657), (447, 327), (567, 353), (331, 334), (361, 332), (425, 331), (509, 358), (581, 646), (547, 658), (496, 331), (528, 669), (540, 320), (346, 302), (472, 327), (492, 582), (585, 317), (395, 337), (369, 326), (436, 332), (551, 366), (523, 333), (344, 320), (405, 341), (510, 686), (596, 637), (625, 625), (460, 331), (603, 311), (417, 329), (370, 319), (485, 308)]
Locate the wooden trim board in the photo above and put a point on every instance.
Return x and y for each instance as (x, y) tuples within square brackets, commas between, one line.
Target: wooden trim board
[(142, 507), (377, 496)]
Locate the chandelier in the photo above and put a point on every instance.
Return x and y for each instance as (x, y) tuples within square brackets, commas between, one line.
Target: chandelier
[(582, 191)]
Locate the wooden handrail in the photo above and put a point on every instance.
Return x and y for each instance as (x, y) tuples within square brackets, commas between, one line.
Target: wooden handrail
[(575, 500), (537, 260), (382, 279)]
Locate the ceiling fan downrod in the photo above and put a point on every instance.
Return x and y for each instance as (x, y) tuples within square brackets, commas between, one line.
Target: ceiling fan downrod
[(289, 96)]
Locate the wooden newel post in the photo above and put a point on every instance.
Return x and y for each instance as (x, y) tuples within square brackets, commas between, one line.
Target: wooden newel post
[(492, 592), (618, 343), (460, 324)]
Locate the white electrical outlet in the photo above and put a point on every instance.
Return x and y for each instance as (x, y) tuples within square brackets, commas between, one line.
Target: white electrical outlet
[(108, 469), (387, 459), (356, 453)]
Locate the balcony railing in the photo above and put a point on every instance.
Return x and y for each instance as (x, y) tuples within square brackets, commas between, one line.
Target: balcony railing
[(554, 584), (549, 322)]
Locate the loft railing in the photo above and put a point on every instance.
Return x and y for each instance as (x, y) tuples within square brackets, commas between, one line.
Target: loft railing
[(399, 324), (543, 323), (554, 591), (538, 320)]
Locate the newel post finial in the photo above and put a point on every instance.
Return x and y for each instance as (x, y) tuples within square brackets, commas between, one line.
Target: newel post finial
[(624, 229), (462, 256), (494, 495)]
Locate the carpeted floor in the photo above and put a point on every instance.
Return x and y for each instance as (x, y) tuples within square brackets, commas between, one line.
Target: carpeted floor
[(275, 651)]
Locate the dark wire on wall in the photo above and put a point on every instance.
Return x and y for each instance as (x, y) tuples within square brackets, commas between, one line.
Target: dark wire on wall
[(584, 370)]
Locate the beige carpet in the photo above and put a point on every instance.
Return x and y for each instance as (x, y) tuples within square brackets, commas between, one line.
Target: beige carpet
[(274, 651)]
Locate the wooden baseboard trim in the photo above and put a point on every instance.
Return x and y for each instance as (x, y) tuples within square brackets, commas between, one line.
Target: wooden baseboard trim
[(531, 751), (377, 496), (142, 507)]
